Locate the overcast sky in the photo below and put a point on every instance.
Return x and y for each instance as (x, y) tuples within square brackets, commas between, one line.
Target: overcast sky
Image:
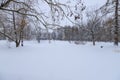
[(94, 2), (88, 3)]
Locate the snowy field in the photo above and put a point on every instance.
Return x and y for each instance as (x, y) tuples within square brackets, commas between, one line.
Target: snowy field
[(59, 61)]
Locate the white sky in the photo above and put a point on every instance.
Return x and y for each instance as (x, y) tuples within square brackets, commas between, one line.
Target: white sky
[(88, 3), (97, 3), (94, 4)]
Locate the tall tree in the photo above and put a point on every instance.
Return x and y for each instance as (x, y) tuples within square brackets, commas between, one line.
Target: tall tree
[(93, 23), (112, 7), (116, 23), (22, 8)]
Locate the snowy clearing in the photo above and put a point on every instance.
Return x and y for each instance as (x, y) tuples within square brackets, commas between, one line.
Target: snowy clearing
[(59, 61)]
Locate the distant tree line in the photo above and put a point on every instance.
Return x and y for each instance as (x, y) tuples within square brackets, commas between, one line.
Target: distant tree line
[(21, 19), (17, 18), (103, 31)]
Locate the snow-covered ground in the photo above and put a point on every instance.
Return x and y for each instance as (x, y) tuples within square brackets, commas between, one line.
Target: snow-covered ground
[(59, 61)]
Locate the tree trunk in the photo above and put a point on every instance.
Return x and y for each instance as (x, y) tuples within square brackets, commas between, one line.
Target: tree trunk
[(116, 24), (22, 43), (22, 38), (15, 31), (93, 38), (17, 44)]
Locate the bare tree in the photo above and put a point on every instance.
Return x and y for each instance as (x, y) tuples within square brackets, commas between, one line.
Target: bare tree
[(112, 7), (116, 23), (93, 22), (17, 8), (26, 10)]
